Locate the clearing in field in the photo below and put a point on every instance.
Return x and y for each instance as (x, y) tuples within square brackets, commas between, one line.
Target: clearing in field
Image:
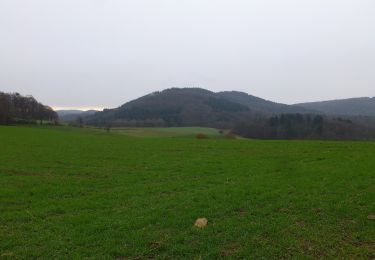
[(169, 131), (83, 193)]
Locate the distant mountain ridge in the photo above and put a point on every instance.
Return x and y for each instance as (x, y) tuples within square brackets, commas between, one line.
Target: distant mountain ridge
[(191, 107), (260, 104), (363, 106), (72, 115), (201, 107)]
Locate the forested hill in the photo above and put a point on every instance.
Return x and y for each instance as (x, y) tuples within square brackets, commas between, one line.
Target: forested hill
[(260, 104), (346, 107), (17, 108), (189, 107)]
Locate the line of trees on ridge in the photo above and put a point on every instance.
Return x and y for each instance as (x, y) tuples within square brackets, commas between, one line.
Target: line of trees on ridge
[(15, 108)]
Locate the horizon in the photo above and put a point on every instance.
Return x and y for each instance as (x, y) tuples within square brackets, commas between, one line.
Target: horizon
[(78, 108), (100, 108)]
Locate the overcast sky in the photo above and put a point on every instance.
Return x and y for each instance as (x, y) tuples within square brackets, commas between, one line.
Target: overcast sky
[(101, 53)]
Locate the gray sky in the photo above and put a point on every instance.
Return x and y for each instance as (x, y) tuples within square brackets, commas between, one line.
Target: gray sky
[(101, 53)]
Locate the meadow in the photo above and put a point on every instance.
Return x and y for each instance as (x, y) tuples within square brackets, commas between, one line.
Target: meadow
[(71, 193), (169, 131)]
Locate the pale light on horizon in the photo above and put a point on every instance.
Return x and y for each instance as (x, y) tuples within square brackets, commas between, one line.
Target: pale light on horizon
[(78, 108)]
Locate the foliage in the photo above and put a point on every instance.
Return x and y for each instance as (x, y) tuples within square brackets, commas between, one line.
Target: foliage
[(223, 105), (244, 114), (14, 107), (364, 106), (175, 107), (304, 126)]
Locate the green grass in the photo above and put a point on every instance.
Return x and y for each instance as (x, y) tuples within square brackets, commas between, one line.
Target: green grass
[(168, 131), (77, 193)]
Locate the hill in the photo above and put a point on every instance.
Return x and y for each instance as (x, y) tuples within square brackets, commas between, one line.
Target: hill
[(190, 107), (364, 106), (15, 108), (261, 105), (72, 115)]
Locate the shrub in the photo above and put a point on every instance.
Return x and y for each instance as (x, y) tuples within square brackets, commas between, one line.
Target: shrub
[(230, 135), (201, 136)]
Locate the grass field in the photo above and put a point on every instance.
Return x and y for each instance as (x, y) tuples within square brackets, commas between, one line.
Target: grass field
[(169, 132), (78, 193)]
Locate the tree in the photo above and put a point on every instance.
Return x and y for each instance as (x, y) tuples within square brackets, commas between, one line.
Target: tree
[(15, 107), (80, 121), (318, 124)]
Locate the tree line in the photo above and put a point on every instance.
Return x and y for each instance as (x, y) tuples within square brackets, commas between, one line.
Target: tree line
[(16, 108), (305, 126)]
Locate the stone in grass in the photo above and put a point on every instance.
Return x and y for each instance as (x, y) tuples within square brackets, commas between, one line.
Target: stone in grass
[(371, 217), (201, 222)]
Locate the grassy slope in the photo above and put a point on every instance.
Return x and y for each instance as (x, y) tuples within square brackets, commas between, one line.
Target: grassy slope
[(73, 193), (167, 131)]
